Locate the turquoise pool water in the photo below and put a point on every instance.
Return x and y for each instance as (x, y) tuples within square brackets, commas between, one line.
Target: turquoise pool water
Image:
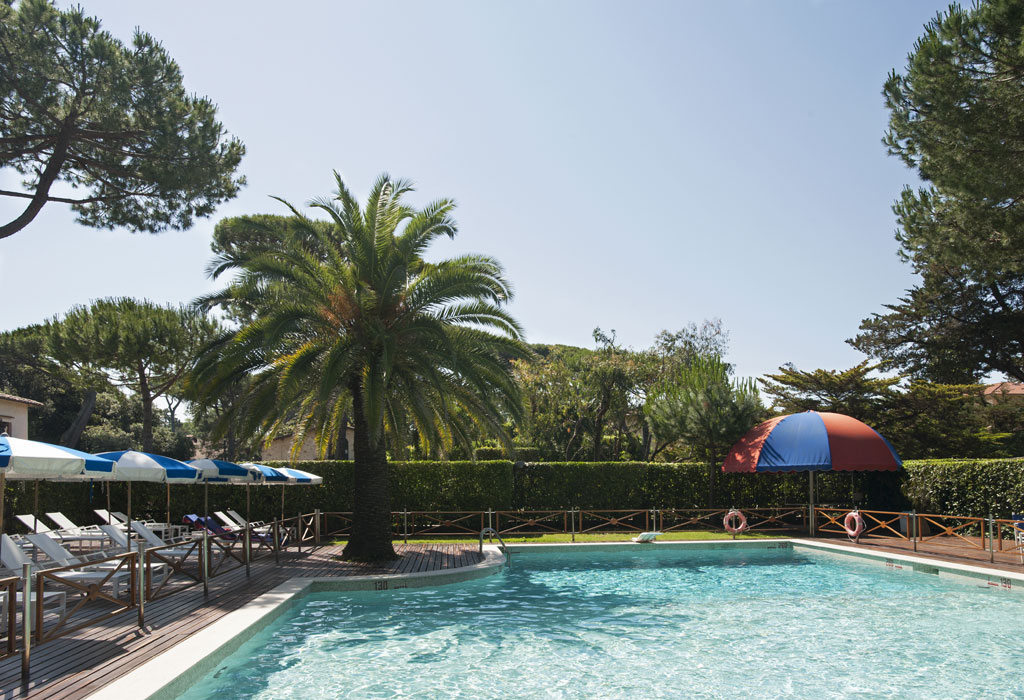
[(645, 624)]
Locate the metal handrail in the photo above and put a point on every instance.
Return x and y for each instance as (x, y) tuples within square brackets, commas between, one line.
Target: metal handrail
[(491, 533)]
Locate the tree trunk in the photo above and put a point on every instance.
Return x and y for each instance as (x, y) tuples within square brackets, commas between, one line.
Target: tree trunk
[(73, 434), (371, 509), (42, 192)]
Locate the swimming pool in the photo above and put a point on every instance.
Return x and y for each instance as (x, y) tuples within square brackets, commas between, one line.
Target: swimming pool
[(658, 623)]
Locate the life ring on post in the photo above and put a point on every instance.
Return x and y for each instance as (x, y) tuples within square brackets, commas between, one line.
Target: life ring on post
[(735, 522), (853, 524)]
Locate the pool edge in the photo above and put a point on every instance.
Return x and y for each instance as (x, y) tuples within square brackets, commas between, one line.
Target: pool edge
[(170, 673)]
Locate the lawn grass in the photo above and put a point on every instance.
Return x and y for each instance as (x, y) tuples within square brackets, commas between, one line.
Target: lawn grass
[(688, 535)]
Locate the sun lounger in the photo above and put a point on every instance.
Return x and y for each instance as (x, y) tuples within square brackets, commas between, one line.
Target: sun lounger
[(64, 524), (153, 540), (37, 526), (53, 549), (241, 521), (14, 557), (32, 523), (645, 537), (56, 601), (228, 523)]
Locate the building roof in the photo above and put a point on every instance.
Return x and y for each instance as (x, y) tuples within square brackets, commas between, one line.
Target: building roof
[(1011, 388), (19, 399)]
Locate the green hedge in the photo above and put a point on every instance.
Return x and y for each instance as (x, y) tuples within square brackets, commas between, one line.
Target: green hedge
[(958, 487), (523, 454), (966, 486)]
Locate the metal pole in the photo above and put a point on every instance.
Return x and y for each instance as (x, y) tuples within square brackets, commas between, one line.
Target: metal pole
[(572, 524), (277, 541), (405, 526), (206, 563), (142, 585), (913, 527), (298, 531), (248, 546), (3, 497), (316, 526), (810, 509), (168, 503), (26, 624), (991, 538), (35, 510), (129, 533)]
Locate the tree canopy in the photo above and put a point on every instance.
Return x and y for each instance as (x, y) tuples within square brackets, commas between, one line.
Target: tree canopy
[(704, 407), (957, 118), (135, 345), (78, 106), (351, 314)]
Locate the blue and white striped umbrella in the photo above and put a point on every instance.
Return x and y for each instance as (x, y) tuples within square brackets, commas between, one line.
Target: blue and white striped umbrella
[(299, 477), (30, 459), (269, 475), (286, 476), (143, 466), (219, 471)]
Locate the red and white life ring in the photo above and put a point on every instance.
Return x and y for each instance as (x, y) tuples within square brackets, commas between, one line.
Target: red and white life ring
[(853, 524), (730, 517)]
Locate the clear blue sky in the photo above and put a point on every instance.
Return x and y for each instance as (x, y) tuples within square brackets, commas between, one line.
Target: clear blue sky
[(635, 165)]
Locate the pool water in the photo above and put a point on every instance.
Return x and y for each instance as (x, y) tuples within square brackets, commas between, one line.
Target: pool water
[(642, 624)]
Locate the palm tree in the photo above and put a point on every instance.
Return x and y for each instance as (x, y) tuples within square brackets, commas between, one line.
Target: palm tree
[(347, 317)]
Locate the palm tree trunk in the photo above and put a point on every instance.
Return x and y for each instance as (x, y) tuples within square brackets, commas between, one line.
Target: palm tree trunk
[(371, 510)]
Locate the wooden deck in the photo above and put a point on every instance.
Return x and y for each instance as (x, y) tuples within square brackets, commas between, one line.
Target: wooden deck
[(948, 549), (80, 663)]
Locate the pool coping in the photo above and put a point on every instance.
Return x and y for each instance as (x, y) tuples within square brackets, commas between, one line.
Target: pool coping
[(167, 675)]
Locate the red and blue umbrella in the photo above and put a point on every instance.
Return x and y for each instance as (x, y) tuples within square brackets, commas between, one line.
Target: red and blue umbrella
[(809, 442)]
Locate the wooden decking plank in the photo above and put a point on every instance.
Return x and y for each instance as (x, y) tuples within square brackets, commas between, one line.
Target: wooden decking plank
[(73, 666)]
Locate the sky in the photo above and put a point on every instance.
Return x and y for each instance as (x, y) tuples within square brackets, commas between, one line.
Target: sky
[(636, 166)]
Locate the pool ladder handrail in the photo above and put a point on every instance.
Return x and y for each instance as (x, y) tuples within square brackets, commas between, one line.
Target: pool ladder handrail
[(491, 533)]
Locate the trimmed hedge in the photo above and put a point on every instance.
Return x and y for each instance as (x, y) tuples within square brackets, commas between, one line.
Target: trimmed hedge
[(523, 454), (975, 487), (955, 487)]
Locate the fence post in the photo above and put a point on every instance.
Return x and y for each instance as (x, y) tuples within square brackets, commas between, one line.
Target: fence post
[(405, 525), (490, 522), (142, 584), (572, 523), (26, 624), (248, 547), (205, 560), (298, 531)]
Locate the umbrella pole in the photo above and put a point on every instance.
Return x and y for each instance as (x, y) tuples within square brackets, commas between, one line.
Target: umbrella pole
[(168, 502), (3, 497), (109, 522), (282, 501), (129, 511), (248, 515), (35, 510)]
